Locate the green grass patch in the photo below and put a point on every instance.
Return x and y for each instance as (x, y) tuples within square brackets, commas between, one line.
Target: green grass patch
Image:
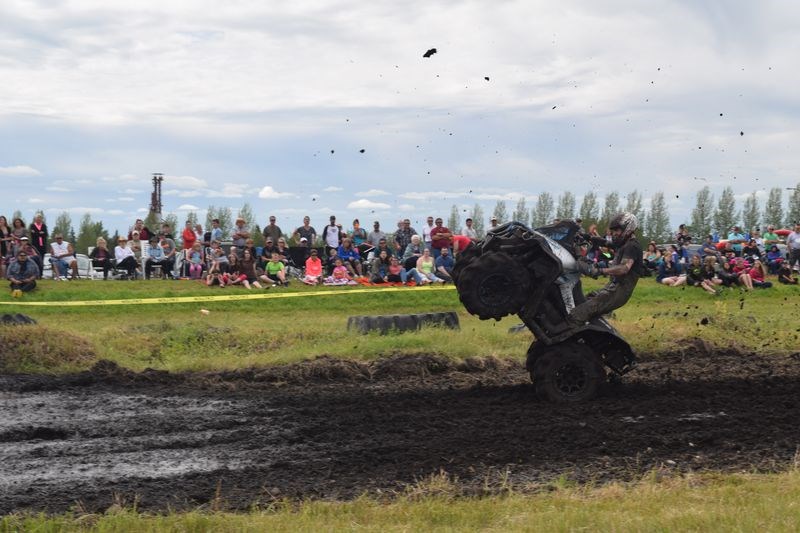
[(244, 333), (709, 502)]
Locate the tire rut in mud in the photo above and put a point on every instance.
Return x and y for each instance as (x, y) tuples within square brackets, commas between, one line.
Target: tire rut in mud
[(329, 428)]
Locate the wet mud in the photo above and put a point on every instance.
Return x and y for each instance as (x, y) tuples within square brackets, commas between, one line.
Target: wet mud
[(334, 429)]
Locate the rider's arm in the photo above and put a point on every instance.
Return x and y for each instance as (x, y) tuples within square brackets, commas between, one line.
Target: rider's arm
[(618, 270)]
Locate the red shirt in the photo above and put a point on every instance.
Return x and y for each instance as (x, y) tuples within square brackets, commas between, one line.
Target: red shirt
[(440, 243), (188, 238)]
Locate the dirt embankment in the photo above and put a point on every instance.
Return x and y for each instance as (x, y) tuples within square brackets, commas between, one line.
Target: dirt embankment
[(329, 428)]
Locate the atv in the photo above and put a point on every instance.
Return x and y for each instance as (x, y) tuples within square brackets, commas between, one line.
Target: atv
[(534, 274)]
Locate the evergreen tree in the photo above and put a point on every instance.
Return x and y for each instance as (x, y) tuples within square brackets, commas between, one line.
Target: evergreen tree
[(566, 206), (257, 236), (246, 212), (152, 222), (590, 209), (633, 204), (172, 220), (725, 217), (773, 210), (521, 213), (793, 213), (500, 212), (657, 223), (225, 221), (702, 213), (191, 217), (453, 221), (211, 214), (86, 234), (63, 225), (610, 208), (477, 220), (751, 214), (543, 214)]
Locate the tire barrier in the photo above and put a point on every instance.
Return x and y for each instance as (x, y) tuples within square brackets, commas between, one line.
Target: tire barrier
[(15, 320), (399, 323)]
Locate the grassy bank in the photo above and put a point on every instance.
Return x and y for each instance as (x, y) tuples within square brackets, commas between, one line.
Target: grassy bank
[(690, 503), (260, 332)]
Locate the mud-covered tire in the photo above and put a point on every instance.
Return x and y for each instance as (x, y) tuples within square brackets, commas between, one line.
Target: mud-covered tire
[(400, 323), (493, 286), (568, 373), (17, 319), (464, 259)]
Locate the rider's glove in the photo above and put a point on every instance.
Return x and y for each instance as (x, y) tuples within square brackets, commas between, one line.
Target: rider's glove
[(588, 269)]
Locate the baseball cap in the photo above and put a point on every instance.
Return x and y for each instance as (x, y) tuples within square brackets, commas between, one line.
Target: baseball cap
[(303, 239), (23, 238)]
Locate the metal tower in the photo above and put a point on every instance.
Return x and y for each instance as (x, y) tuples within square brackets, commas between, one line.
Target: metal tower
[(155, 196)]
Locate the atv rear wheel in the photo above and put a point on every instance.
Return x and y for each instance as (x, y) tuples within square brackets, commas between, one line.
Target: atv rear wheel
[(568, 373), (493, 286)]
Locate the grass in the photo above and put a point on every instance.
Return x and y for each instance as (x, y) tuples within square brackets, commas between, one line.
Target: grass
[(245, 333), (705, 502)]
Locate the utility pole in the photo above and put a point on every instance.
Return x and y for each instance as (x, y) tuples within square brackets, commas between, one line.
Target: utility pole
[(155, 196)]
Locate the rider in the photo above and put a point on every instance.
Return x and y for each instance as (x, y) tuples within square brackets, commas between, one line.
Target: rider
[(624, 270)]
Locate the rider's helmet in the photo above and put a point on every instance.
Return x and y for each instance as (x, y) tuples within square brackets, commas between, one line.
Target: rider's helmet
[(627, 223)]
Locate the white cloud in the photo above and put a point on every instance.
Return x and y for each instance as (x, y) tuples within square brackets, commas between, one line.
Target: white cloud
[(143, 210), (122, 178), (125, 199), (367, 204), (229, 190), (332, 188), (182, 194), (56, 188), (19, 171), (188, 207), (35, 201), (269, 193), (407, 207), (371, 193), (115, 212), (132, 191), (184, 182)]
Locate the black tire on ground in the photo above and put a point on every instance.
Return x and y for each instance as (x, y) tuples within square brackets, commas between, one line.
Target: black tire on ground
[(400, 323), (17, 319), (568, 373), (493, 286)]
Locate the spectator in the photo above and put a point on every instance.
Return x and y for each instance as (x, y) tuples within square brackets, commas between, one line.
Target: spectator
[(383, 245), (125, 258), (770, 237), (413, 252), (332, 235), (339, 276), (750, 250), (785, 275), (426, 232), (240, 234), (136, 245), (358, 235), (62, 257), (774, 259), (493, 223), (276, 270), (426, 267), (402, 238), (313, 273), (669, 272), (757, 274), (742, 269), (444, 265), (5, 244), (469, 231), (351, 258), (163, 254), (441, 237), (216, 231), (22, 274), (101, 256), (272, 232), (166, 232), (651, 257), (170, 250), (199, 236), (727, 276), (307, 232), (682, 237), (736, 239), (266, 251), (284, 255), (38, 234), (696, 276), (374, 236), (196, 259), (247, 267), (250, 245), (144, 233), (330, 262), (24, 244), (18, 228), (460, 243), (793, 247), (235, 276), (708, 248), (380, 267)]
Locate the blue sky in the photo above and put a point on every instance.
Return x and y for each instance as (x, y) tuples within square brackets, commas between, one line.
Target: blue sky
[(244, 101)]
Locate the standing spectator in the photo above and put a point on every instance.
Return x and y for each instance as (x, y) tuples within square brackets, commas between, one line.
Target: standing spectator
[(426, 232), (62, 257), (166, 232), (101, 256), (770, 237), (793, 247), (736, 239), (125, 258), (332, 235), (199, 236), (492, 223), (216, 231), (38, 234), (22, 274), (272, 231), (469, 231), (307, 232), (441, 237), (359, 234), (403, 236), (375, 235), (240, 234), (682, 237), (5, 244), (144, 233)]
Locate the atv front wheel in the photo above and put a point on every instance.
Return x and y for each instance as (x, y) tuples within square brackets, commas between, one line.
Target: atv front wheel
[(493, 285), (568, 373)]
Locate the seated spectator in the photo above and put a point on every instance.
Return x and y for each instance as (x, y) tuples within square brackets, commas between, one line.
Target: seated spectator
[(62, 257), (651, 257), (340, 275), (22, 274), (23, 245), (351, 258), (275, 270), (266, 252), (757, 274), (444, 265), (216, 273), (313, 273), (358, 235), (750, 250), (195, 259), (708, 248), (682, 237), (413, 252), (249, 244), (696, 276), (785, 275), (159, 254), (396, 273), (742, 269), (669, 272), (101, 256), (125, 258), (283, 251), (247, 267), (379, 267), (330, 263), (426, 267), (774, 259), (383, 245), (726, 275), (235, 276)]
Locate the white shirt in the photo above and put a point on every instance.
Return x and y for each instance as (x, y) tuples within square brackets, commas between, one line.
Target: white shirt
[(793, 241), (59, 249), (122, 252), (332, 235), (469, 232), (426, 233)]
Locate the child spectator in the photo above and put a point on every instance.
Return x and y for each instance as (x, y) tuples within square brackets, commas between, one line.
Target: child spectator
[(785, 275), (742, 269), (247, 266), (757, 274), (196, 260), (696, 276), (351, 258), (313, 273), (340, 275), (276, 270)]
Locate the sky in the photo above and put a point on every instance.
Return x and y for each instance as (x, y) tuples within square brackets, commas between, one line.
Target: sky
[(329, 107)]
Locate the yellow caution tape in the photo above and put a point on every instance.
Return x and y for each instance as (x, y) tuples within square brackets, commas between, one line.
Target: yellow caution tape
[(217, 298)]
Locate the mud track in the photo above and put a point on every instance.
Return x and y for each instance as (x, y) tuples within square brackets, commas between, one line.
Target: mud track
[(336, 429)]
